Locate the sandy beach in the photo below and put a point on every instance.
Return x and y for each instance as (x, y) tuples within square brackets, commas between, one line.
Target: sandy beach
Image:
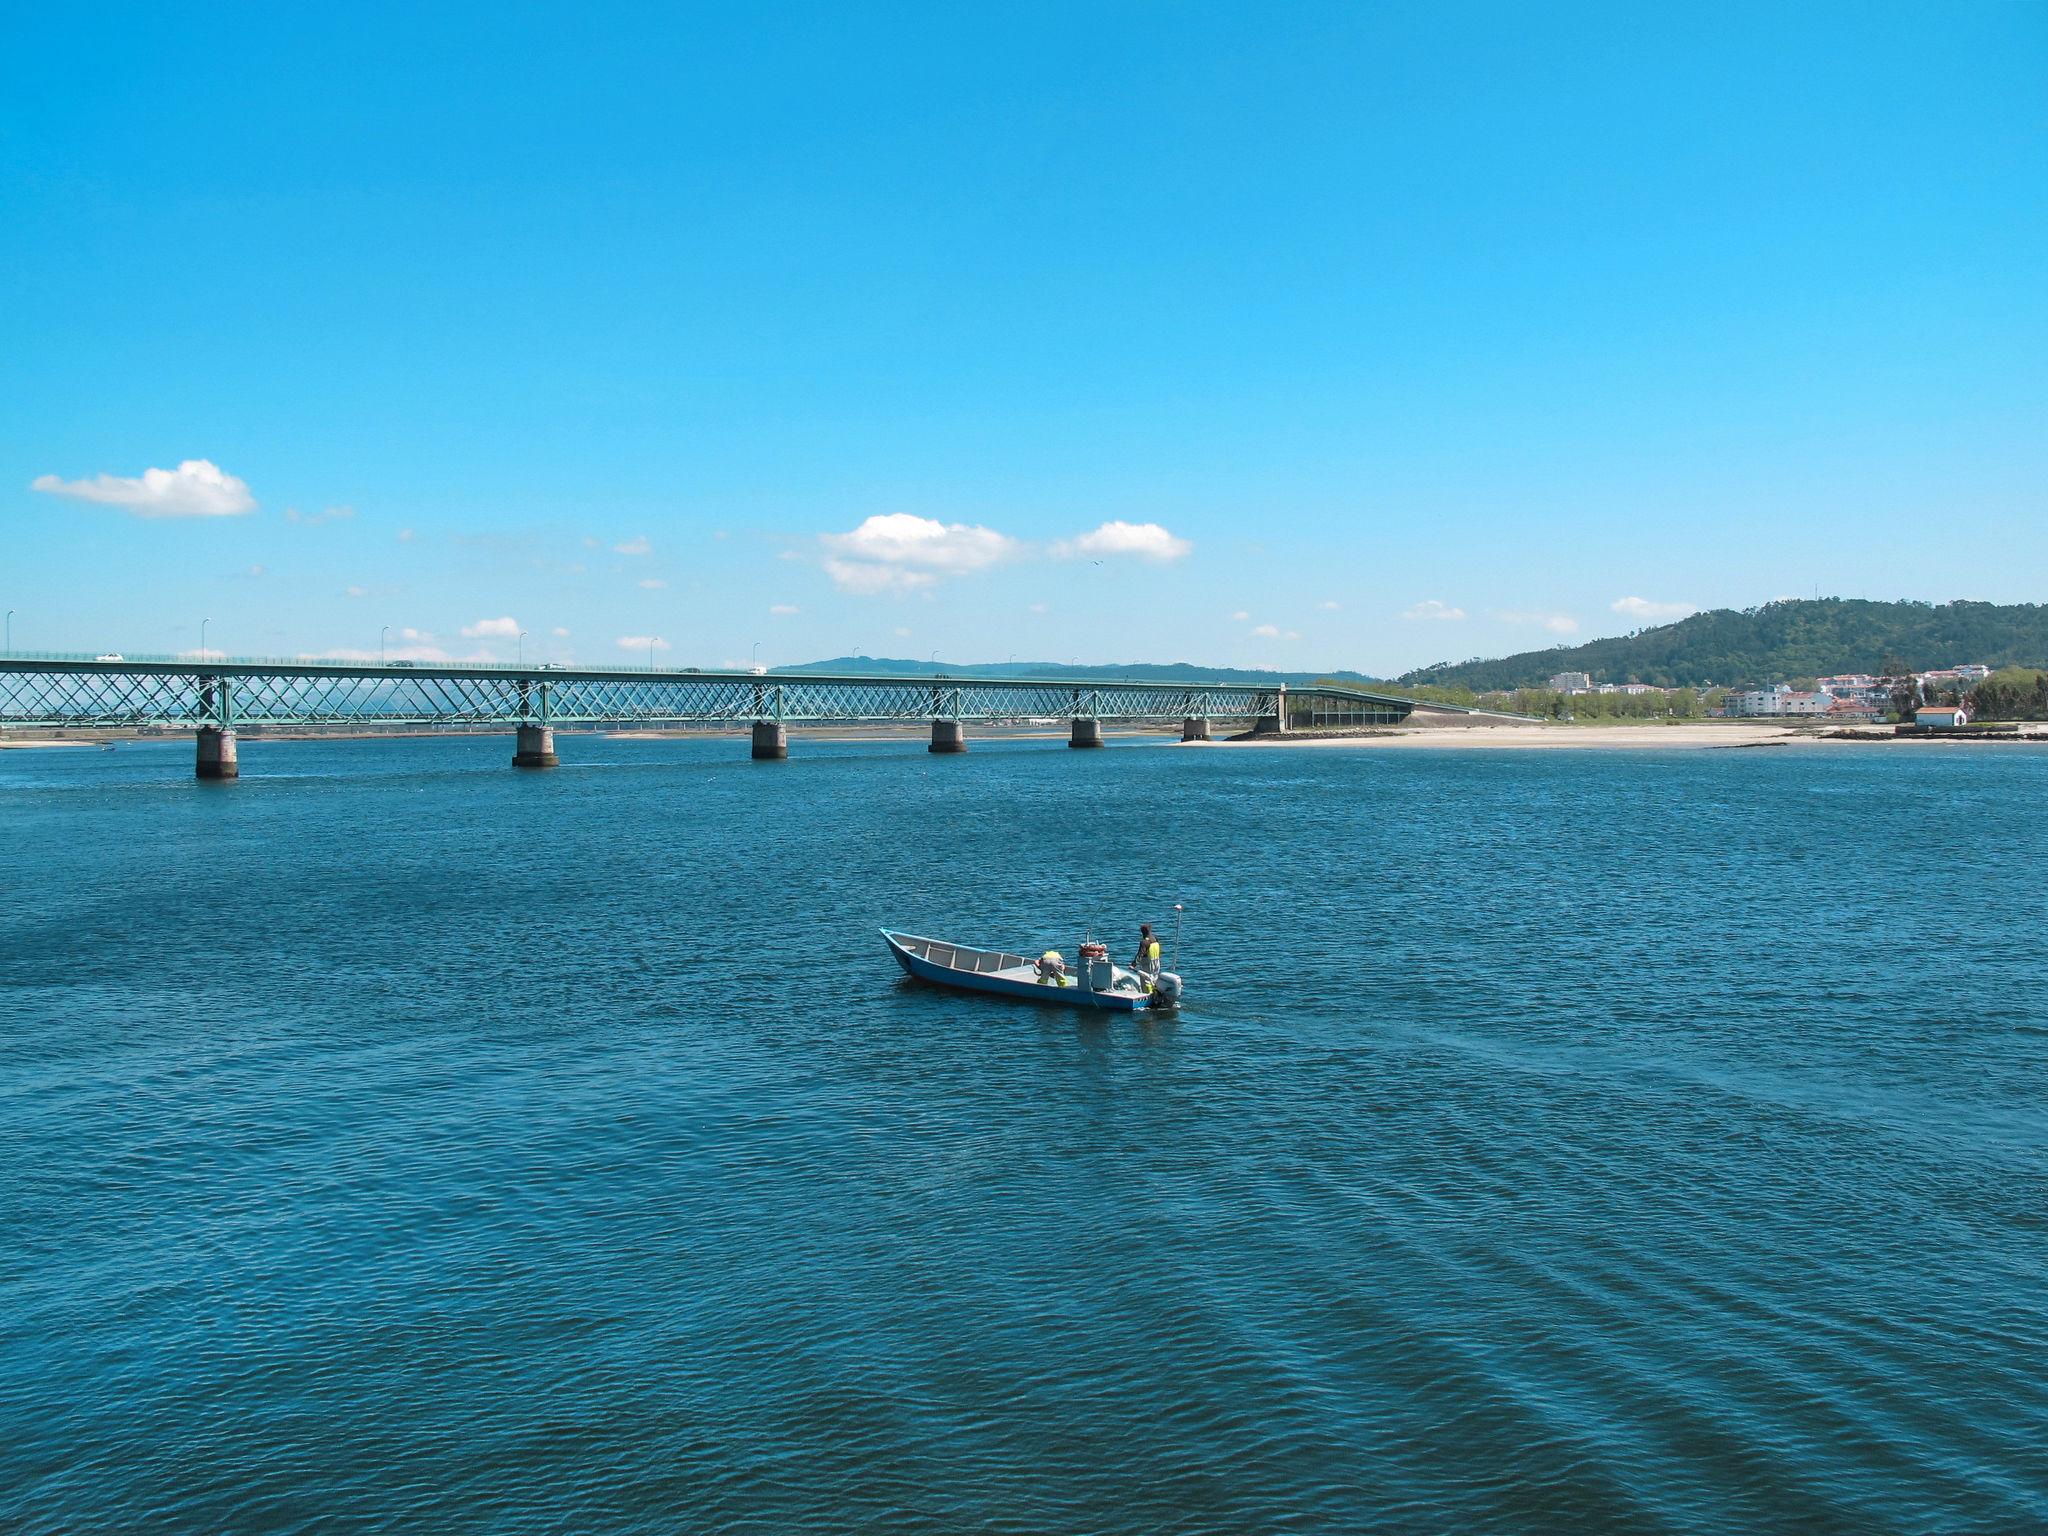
[(1688, 735)]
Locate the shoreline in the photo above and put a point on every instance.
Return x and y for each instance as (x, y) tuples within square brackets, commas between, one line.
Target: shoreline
[(1685, 736)]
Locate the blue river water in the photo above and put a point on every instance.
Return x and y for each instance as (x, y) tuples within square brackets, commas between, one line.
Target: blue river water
[(1552, 1141)]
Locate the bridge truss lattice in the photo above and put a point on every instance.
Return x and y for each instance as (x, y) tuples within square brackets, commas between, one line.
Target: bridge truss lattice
[(182, 693)]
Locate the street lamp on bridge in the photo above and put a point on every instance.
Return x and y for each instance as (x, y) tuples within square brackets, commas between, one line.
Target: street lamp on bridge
[(380, 643)]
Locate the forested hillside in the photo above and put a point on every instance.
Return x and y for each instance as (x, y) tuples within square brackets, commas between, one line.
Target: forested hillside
[(1798, 637)]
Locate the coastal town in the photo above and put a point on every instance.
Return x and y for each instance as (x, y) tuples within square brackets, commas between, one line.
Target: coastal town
[(1942, 697)]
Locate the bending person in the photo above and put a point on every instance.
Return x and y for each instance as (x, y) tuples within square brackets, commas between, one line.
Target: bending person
[(1147, 962)]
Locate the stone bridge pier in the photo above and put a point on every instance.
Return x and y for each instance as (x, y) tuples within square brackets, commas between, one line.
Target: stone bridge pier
[(216, 755), (535, 747)]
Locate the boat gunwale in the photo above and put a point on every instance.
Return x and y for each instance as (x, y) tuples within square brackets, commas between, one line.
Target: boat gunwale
[(1026, 988)]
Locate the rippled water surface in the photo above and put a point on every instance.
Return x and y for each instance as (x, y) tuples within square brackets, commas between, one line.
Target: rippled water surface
[(1552, 1141)]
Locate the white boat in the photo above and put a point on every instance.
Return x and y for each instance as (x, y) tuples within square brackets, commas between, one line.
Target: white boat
[(1094, 983)]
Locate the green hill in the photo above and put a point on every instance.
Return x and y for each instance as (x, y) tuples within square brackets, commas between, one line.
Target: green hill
[(1798, 637)]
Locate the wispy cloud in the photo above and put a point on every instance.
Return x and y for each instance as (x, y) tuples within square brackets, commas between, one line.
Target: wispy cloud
[(324, 515), (1330, 605), (405, 535), (1145, 541), (411, 645), (901, 552), (196, 488), (1556, 623), (635, 546), (492, 629), (1431, 608), (559, 632), (641, 643), (1275, 632), (1241, 615), (1644, 611), (651, 583), (783, 610)]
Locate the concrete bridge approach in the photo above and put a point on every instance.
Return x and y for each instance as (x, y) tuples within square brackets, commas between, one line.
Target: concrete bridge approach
[(214, 698)]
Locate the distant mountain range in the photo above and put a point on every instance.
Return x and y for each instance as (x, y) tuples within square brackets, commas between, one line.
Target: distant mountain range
[(1797, 637), (1135, 671)]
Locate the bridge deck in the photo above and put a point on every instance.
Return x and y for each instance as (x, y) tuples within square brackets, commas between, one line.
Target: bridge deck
[(176, 692)]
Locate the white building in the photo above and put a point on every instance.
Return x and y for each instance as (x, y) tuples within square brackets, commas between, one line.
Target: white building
[(1941, 717), (1778, 699)]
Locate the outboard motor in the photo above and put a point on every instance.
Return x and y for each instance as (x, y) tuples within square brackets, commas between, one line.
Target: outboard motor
[(1166, 990)]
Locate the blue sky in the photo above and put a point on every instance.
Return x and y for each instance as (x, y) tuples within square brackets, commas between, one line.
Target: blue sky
[(1304, 336)]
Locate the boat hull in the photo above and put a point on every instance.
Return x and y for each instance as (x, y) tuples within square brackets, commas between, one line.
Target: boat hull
[(923, 968)]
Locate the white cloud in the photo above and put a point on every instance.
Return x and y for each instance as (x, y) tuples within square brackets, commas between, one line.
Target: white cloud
[(405, 535), (1268, 631), (1556, 623), (1331, 606), (1241, 615), (420, 651), (325, 515), (1641, 608), (901, 633), (559, 633), (900, 552), (354, 591), (641, 643), (784, 609), (492, 629), (1147, 541), (652, 583), (257, 570), (415, 636), (1037, 608), (196, 488), (1431, 608), (866, 580), (637, 546), (206, 654)]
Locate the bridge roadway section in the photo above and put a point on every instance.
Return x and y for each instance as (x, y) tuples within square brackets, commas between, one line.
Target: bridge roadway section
[(214, 697)]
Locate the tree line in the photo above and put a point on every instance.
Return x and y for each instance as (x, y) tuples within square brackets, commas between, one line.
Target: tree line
[(2010, 693)]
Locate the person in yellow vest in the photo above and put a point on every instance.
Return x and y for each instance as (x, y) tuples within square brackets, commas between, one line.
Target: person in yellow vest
[(1052, 968), (1147, 962)]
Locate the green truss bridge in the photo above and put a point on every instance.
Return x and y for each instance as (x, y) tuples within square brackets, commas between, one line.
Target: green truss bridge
[(213, 697)]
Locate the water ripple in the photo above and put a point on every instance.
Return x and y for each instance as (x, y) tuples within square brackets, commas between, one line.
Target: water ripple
[(1553, 1141)]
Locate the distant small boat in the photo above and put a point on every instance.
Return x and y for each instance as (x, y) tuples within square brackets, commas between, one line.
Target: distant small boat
[(1095, 982)]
